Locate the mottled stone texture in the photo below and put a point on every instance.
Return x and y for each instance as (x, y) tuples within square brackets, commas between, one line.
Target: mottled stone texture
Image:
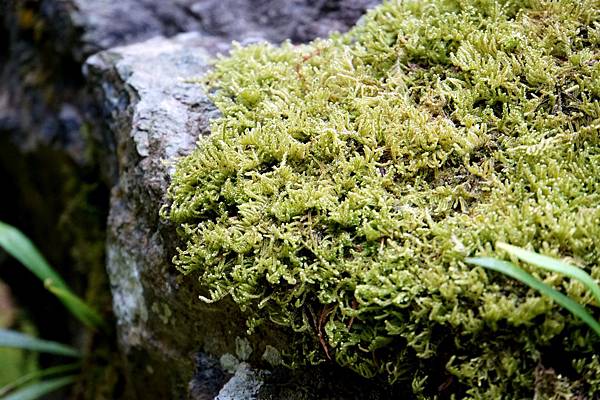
[(119, 127), (154, 116)]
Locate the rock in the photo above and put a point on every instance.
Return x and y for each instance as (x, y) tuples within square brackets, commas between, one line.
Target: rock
[(155, 116), (208, 379), (165, 331), (278, 20), (43, 99), (245, 384)]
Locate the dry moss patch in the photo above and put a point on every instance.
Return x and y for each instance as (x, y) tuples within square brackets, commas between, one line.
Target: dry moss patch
[(348, 178)]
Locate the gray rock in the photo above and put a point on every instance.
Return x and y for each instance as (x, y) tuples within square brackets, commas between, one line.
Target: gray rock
[(245, 384), (165, 331), (155, 116), (278, 20), (106, 23)]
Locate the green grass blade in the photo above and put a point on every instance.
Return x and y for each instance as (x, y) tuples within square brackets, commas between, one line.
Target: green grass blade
[(87, 315), (554, 265), (14, 242), (44, 373), (515, 272), (19, 246), (18, 340), (37, 390)]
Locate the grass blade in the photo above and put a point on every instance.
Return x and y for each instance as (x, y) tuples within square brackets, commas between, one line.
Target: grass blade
[(18, 340), (44, 373), (37, 390), (20, 247), (87, 315), (15, 243), (515, 272), (554, 265)]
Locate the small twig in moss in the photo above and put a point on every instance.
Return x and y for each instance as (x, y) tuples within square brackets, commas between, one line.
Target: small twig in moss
[(325, 311), (305, 58), (354, 306)]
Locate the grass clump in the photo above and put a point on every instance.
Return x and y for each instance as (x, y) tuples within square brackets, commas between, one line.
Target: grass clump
[(347, 180)]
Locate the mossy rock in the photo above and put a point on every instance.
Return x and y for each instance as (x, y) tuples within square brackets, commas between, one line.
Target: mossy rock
[(347, 180)]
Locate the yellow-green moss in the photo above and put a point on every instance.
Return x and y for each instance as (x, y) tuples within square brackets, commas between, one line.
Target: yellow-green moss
[(348, 178)]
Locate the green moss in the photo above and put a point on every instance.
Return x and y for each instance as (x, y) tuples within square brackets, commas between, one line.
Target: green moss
[(348, 178)]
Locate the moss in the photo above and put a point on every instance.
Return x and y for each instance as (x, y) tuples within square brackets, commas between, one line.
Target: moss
[(348, 178)]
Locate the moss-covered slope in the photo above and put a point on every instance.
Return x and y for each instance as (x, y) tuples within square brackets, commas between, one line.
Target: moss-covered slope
[(347, 180)]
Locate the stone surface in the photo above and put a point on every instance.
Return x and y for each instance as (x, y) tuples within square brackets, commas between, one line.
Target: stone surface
[(106, 23), (245, 384), (154, 116), (278, 20), (170, 338)]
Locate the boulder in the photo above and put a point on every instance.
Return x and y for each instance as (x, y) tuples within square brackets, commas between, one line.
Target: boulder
[(171, 339), (155, 116)]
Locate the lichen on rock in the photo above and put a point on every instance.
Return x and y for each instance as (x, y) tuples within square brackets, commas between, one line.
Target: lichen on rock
[(347, 179)]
